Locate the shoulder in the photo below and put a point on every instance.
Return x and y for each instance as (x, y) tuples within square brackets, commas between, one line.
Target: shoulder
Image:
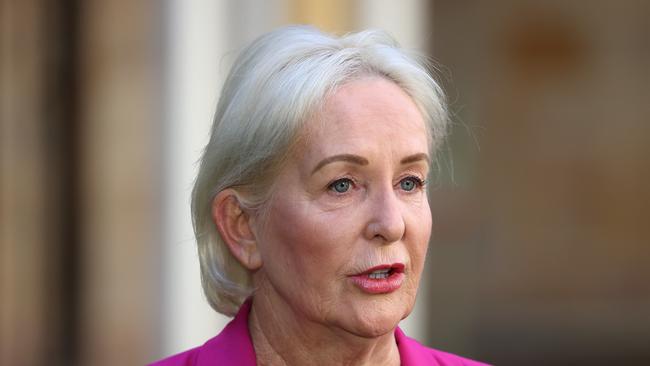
[(232, 346), (448, 359), (228, 347), (413, 353)]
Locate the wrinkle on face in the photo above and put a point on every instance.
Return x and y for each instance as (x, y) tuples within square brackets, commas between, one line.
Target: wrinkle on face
[(312, 239)]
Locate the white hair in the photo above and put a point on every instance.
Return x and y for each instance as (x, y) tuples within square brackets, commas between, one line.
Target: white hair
[(276, 83)]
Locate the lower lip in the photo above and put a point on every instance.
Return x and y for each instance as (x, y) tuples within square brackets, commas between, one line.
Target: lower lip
[(379, 285)]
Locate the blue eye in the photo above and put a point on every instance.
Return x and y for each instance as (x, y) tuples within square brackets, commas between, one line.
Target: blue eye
[(410, 183), (341, 185)]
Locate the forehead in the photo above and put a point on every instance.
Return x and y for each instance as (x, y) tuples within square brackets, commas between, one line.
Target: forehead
[(366, 114)]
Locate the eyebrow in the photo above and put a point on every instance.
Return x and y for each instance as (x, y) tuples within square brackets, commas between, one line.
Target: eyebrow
[(414, 158), (356, 159)]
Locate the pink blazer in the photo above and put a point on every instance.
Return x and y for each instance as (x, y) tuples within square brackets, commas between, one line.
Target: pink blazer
[(233, 346)]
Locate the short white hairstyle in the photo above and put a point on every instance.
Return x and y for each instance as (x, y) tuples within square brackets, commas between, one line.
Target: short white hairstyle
[(276, 83)]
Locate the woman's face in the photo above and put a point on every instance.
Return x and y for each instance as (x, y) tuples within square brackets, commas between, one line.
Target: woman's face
[(347, 228)]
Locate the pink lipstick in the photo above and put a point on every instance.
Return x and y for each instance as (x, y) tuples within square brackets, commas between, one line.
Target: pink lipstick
[(381, 279)]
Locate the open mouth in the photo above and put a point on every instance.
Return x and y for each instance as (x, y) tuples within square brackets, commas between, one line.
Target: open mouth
[(380, 279), (384, 271)]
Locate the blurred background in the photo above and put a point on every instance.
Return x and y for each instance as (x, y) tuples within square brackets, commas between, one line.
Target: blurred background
[(541, 247)]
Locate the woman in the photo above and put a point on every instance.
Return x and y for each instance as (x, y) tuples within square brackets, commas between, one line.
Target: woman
[(310, 206)]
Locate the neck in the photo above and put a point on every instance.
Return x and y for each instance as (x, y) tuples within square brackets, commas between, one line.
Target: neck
[(282, 337)]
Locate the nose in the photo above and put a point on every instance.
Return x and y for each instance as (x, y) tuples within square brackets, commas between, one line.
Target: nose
[(386, 220)]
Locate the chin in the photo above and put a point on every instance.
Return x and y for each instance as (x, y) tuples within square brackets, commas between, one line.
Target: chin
[(378, 319)]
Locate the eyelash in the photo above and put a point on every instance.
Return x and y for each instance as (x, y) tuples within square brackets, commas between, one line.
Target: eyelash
[(332, 184), (419, 183)]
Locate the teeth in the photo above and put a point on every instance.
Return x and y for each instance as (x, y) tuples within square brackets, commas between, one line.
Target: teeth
[(382, 273)]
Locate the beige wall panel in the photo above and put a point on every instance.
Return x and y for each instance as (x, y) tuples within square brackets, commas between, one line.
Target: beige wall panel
[(336, 16), (120, 129), (23, 235), (557, 251)]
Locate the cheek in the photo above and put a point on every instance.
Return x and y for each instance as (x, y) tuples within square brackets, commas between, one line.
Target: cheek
[(301, 238), (425, 225), (421, 235)]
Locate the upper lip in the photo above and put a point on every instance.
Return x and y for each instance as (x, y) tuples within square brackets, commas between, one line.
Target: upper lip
[(395, 267)]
